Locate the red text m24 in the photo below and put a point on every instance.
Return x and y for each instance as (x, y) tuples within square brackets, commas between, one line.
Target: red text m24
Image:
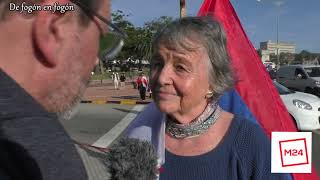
[(293, 152)]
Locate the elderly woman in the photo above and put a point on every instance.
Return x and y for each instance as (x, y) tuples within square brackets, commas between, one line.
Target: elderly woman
[(190, 70)]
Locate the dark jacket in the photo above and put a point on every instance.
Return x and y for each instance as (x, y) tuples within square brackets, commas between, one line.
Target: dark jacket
[(33, 143)]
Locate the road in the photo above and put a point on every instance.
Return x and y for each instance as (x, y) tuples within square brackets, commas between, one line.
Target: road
[(92, 121)]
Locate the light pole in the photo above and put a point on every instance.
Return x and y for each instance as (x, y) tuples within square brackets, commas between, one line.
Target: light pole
[(182, 8), (278, 4), (278, 56)]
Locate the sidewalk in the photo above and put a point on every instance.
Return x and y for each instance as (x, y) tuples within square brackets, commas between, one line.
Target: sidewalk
[(103, 92)]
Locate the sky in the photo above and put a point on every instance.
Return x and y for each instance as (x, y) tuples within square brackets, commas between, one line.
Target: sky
[(299, 20)]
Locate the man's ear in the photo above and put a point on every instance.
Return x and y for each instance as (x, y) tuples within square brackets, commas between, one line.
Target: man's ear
[(48, 35)]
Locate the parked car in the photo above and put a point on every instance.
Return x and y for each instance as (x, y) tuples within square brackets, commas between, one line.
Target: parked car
[(300, 78), (304, 108)]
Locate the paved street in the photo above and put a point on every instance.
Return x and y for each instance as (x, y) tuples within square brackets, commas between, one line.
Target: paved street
[(92, 121)]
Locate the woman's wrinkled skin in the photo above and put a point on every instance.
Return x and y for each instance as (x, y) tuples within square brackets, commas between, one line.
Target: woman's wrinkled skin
[(180, 81)]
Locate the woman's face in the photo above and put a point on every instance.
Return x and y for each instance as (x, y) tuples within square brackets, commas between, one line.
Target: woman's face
[(179, 80)]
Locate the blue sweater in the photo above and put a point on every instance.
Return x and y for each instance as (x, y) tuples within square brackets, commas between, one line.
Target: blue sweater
[(244, 153)]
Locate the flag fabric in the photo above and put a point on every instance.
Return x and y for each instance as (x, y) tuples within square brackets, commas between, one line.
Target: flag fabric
[(254, 96)]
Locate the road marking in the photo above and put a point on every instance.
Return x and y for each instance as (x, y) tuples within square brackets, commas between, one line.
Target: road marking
[(115, 132), (99, 102), (128, 102)]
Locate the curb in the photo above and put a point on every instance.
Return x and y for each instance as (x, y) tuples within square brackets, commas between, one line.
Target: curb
[(124, 102)]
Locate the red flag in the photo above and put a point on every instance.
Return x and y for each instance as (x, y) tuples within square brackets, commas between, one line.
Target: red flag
[(255, 86)]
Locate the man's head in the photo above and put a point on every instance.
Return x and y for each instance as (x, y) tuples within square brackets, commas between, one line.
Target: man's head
[(51, 55)]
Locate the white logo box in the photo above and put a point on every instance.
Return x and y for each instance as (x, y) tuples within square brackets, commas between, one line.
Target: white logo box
[(291, 152)]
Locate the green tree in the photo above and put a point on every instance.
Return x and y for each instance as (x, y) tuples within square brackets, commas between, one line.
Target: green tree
[(273, 58), (156, 24), (304, 56), (259, 53), (148, 31), (284, 58), (137, 45), (119, 18)]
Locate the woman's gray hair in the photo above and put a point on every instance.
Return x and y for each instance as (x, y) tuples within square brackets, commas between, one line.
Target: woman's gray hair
[(206, 32)]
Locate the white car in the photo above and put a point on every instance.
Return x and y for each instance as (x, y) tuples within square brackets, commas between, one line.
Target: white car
[(304, 108)]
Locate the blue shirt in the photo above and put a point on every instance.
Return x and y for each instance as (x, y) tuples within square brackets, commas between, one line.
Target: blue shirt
[(244, 153)]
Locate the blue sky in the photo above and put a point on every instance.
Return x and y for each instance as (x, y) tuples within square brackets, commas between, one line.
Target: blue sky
[(299, 20)]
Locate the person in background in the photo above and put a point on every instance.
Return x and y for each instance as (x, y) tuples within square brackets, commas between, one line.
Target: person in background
[(122, 81), (115, 78), (45, 65), (142, 83)]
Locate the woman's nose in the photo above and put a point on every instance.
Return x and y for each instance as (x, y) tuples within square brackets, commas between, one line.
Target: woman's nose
[(165, 76)]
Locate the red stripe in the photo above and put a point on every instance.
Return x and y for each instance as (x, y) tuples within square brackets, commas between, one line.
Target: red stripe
[(255, 86)]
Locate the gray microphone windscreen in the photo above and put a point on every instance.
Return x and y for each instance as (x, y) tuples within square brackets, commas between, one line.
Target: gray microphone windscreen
[(132, 159)]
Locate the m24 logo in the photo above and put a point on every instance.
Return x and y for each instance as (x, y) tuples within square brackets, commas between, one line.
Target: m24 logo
[(289, 148), (293, 152)]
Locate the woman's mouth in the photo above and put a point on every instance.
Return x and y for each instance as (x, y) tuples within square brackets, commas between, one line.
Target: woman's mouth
[(165, 95)]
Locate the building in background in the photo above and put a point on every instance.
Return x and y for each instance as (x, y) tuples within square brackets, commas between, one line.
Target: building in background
[(269, 47)]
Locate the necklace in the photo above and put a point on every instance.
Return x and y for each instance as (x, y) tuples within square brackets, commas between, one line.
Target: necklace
[(196, 127)]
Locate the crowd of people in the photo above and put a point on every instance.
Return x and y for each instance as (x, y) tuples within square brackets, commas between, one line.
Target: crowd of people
[(141, 84)]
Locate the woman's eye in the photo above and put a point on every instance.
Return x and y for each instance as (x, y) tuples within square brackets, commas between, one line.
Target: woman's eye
[(180, 68)]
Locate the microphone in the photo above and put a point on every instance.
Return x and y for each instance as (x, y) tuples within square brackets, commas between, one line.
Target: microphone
[(132, 159)]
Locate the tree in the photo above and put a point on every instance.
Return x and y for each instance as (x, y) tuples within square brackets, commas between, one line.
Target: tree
[(305, 56), (157, 24), (147, 34), (120, 19), (137, 45), (284, 58), (273, 58), (259, 53)]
